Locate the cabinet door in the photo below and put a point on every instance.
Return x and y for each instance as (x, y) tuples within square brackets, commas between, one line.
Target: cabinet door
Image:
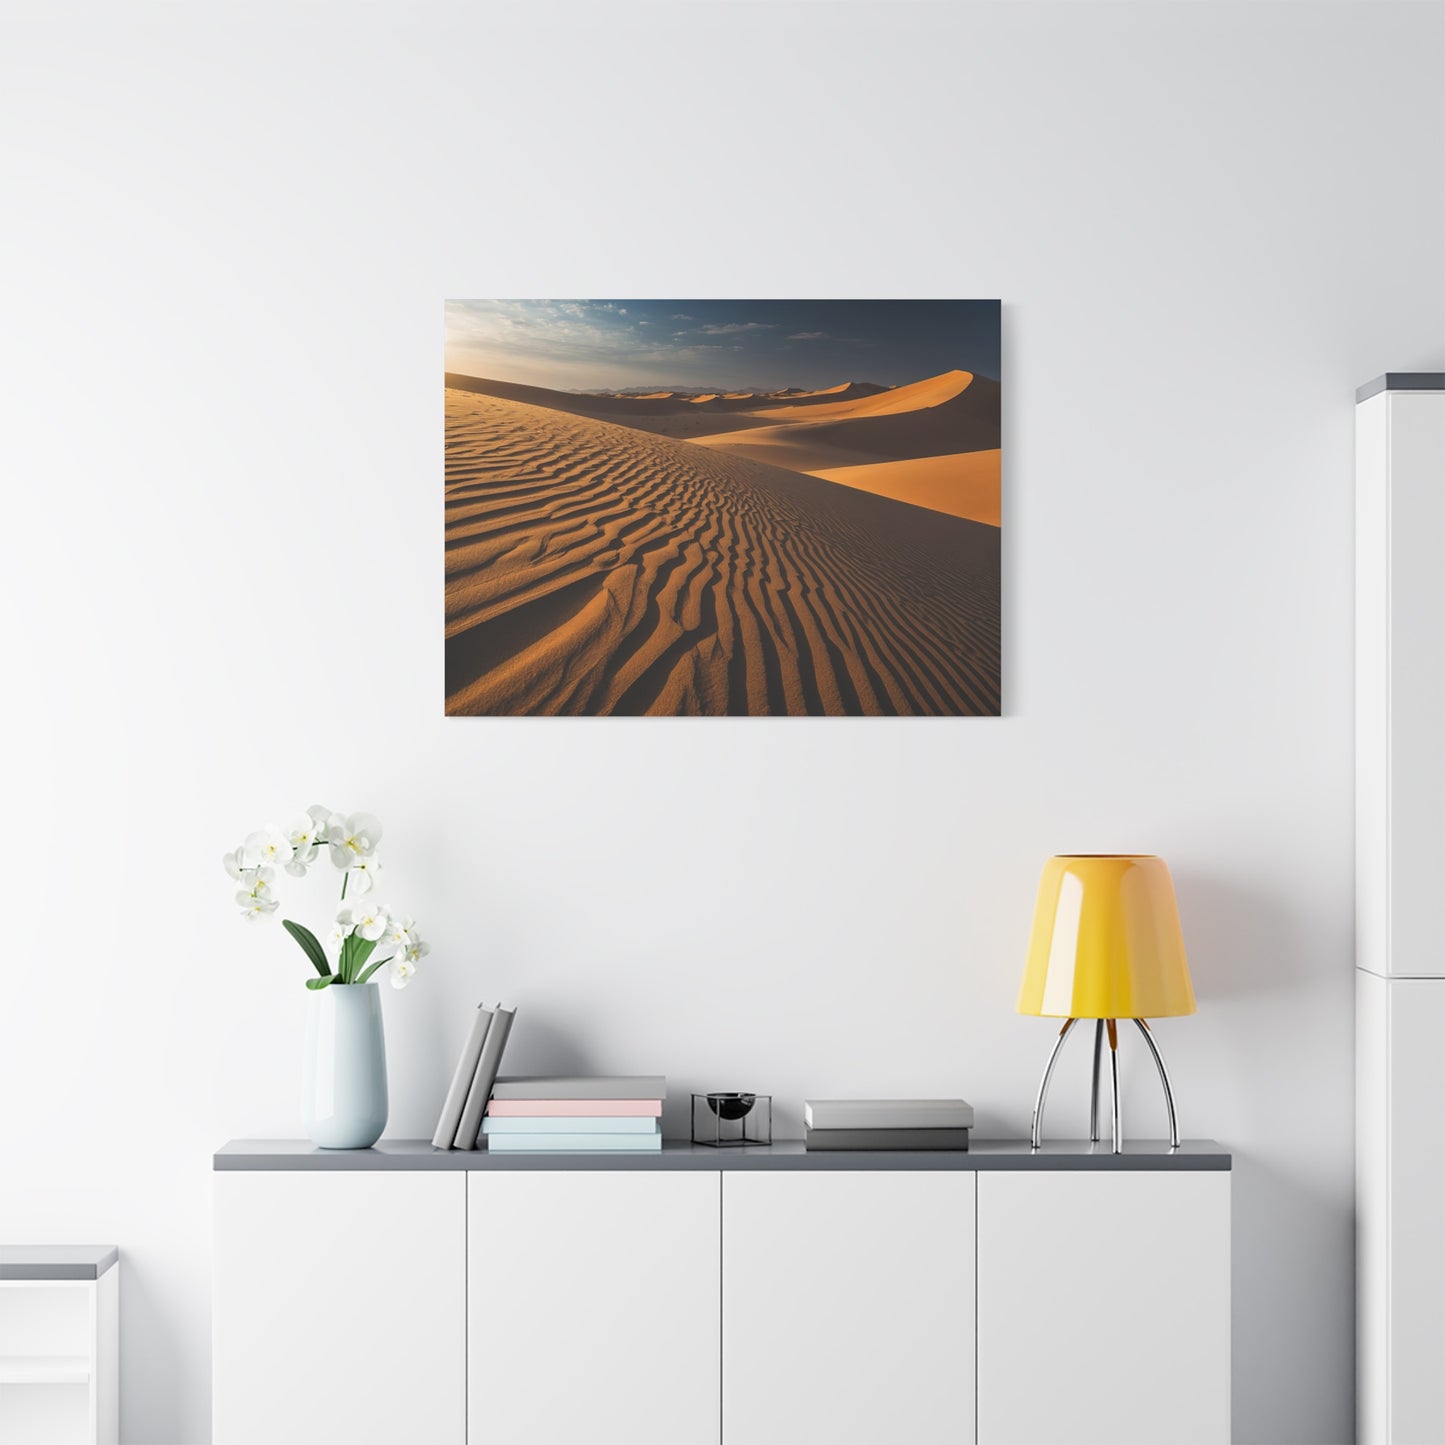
[(1103, 1308), (1399, 1184), (848, 1308), (592, 1308), (338, 1315), (1400, 683)]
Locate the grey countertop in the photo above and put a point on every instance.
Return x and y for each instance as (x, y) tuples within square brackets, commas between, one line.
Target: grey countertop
[(291, 1154), (56, 1261), (1402, 381)]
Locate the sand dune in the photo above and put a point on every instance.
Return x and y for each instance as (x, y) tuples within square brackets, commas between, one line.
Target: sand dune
[(598, 568), (946, 417), (783, 447), (879, 401), (966, 485), (579, 403), (844, 391)]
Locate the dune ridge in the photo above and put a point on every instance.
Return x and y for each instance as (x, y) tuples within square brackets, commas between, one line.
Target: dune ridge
[(965, 485), (965, 420), (600, 568)]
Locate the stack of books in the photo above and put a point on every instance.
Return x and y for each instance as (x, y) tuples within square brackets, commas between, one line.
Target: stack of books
[(569, 1114), (886, 1123), (460, 1125)]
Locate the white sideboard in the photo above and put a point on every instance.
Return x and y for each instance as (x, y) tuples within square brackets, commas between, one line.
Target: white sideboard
[(1400, 908), (721, 1297)]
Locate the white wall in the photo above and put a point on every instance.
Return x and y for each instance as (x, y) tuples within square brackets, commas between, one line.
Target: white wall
[(227, 236)]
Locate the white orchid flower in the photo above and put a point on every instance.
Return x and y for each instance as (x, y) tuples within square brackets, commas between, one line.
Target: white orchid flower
[(235, 864), (269, 848), (402, 932), (303, 835), (401, 972), (352, 838), (342, 927), (363, 873), (372, 922), (255, 906)]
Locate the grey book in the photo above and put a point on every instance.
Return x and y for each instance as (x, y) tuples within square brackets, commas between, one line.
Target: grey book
[(446, 1134), (863, 1139), (586, 1086), (888, 1114), (488, 1062)]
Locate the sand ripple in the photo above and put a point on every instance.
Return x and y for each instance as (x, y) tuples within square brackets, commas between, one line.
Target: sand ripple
[(598, 569)]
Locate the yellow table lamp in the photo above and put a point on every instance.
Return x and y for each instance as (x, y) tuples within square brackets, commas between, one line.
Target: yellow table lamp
[(1106, 945)]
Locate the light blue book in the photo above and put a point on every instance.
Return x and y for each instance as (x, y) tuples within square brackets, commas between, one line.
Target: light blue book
[(575, 1143), (569, 1125)]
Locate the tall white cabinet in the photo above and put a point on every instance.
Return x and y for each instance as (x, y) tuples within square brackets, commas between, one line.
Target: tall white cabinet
[(1400, 907)]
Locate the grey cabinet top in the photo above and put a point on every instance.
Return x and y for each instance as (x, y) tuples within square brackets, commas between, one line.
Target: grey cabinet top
[(56, 1261), (1402, 381), (1154, 1154)]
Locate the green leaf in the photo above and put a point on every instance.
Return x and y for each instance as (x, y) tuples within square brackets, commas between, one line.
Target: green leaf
[(354, 952), (363, 949), (319, 982), (378, 964), (309, 945)]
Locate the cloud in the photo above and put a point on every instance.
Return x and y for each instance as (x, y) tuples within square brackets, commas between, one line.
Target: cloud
[(622, 311), (678, 316), (808, 336), (731, 328)]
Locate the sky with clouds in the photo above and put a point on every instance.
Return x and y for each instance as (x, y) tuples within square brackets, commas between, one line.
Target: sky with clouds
[(732, 345)]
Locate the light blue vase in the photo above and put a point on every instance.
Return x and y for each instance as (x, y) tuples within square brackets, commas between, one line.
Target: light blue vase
[(344, 1103)]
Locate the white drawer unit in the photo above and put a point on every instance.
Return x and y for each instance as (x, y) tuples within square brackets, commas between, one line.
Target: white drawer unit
[(403, 1295), (59, 1346)]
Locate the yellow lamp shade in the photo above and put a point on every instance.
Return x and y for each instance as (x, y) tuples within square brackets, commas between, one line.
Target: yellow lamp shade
[(1106, 942)]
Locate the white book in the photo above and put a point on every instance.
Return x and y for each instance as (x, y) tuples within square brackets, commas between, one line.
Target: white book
[(887, 1114), (574, 1143)]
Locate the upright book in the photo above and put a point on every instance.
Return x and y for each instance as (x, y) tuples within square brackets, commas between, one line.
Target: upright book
[(488, 1062), (451, 1116)]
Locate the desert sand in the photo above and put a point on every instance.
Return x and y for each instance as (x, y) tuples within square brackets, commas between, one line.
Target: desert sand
[(964, 485), (597, 565), (934, 443)]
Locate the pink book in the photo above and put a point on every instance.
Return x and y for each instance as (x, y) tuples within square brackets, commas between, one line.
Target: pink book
[(575, 1108)]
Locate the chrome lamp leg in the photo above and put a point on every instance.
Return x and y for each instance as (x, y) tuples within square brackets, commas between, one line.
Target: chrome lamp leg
[(1094, 1092), (1163, 1079), (1044, 1082), (1118, 1134)]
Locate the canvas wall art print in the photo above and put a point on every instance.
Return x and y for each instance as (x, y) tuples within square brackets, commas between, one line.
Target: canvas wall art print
[(722, 508)]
